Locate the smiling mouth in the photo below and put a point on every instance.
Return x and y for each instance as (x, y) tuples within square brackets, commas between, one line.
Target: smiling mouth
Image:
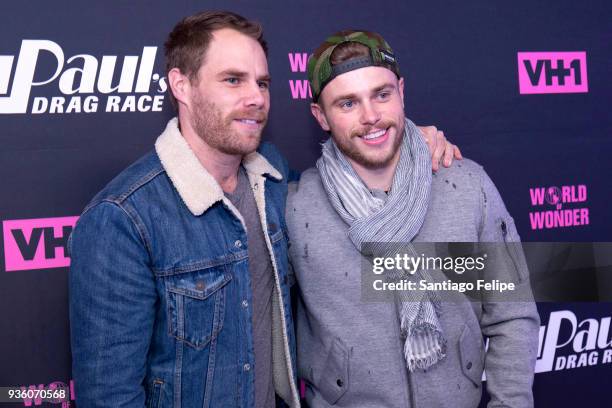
[(251, 124), (374, 135), (377, 137), (250, 121)]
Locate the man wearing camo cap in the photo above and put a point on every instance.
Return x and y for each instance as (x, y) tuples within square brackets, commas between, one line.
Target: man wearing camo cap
[(373, 183)]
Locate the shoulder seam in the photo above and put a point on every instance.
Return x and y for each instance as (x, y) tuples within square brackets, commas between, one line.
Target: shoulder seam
[(130, 216), (143, 180), (118, 199)]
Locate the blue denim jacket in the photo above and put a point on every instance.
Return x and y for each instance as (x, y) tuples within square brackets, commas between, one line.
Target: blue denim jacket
[(160, 298)]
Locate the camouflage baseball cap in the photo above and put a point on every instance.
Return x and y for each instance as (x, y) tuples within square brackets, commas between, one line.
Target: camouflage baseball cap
[(321, 72)]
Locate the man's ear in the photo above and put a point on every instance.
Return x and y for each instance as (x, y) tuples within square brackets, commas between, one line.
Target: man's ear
[(317, 112), (400, 85), (180, 86)]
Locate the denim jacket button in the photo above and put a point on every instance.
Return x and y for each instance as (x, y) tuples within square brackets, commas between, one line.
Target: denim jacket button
[(237, 244), (246, 367), (245, 304), (200, 285)]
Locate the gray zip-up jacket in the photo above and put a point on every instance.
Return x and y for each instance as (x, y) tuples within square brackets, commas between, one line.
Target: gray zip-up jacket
[(350, 351)]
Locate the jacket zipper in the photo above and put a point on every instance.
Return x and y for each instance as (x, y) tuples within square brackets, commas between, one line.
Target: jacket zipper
[(511, 250)]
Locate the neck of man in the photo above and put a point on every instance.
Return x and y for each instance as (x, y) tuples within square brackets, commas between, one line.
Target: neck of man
[(222, 166), (380, 178)]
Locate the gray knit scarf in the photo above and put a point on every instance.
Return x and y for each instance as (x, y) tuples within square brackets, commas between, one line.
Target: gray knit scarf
[(396, 219)]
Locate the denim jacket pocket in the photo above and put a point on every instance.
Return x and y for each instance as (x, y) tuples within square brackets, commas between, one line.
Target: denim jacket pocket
[(154, 394), (334, 380), (196, 306)]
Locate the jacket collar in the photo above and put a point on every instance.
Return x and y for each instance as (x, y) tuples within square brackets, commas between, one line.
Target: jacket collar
[(196, 186)]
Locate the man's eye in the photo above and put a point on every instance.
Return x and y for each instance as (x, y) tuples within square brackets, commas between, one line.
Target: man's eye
[(384, 95), (347, 104), (264, 85), (232, 80)]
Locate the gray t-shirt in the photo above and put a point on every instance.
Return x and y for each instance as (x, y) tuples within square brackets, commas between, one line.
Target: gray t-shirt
[(262, 285)]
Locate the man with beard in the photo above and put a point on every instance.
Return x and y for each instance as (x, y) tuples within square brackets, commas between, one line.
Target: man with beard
[(373, 184), (178, 285), (172, 303)]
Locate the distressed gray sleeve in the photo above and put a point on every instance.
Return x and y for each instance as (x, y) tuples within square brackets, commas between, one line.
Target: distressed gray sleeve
[(292, 188), (511, 327)]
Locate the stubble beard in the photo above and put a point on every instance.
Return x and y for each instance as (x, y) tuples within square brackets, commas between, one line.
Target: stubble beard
[(348, 146), (216, 130)]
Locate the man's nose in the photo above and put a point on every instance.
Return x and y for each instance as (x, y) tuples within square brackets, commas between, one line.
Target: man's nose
[(369, 114), (255, 95)]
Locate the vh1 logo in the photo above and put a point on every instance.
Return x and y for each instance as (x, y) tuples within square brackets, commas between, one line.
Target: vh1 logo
[(552, 72), (37, 243)]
